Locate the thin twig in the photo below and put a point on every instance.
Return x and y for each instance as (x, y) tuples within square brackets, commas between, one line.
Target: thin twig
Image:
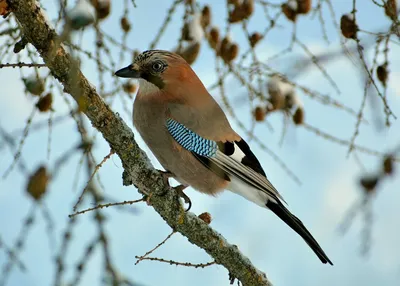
[(20, 65), (172, 262), (91, 177), (101, 206), (140, 258)]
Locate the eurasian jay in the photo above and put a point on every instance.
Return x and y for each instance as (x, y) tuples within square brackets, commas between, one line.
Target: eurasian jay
[(191, 137)]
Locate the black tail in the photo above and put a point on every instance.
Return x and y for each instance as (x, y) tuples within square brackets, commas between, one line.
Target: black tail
[(284, 214)]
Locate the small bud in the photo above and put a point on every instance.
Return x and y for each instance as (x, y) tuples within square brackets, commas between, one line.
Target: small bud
[(129, 87), (233, 2), (369, 183), (103, 8), (391, 9), (81, 15), (230, 53), (304, 6), (233, 52), (225, 44), (276, 101), (193, 31), (4, 9), (290, 100), (281, 93), (382, 73), (45, 102), (34, 84), (248, 8), (236, 15), (185, 33), (206, 217), (254, 39), (205, 16), (388, 165), (348, 26), (99, 43), (290, 10), (86, 146), (213, 37), (241, 11), (190, 53), (37, 183), (125, 25), (298, 116), (259, 113)]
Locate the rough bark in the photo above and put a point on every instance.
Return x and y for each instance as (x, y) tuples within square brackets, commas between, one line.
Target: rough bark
[(137, 167)]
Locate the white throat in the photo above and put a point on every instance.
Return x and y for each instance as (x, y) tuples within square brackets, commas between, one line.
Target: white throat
[(146, 87)]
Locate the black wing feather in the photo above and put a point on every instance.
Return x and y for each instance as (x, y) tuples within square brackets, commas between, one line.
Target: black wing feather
[(250, 160), (228, 148), (212, 166)]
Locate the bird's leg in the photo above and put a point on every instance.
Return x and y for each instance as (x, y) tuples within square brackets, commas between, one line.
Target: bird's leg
[(179, 189), (166, 175)]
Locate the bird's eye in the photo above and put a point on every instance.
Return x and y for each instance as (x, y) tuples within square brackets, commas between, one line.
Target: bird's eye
[(157, 66)]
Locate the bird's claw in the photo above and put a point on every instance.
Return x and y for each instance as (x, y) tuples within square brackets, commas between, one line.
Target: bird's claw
[(179, 189), (231, 278), (166, 175)]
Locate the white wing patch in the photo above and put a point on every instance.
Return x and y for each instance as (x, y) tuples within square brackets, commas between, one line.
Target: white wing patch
[(249, 192), (238, 154)]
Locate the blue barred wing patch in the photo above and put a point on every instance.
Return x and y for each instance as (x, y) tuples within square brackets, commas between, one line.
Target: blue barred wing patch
[(190, 140)]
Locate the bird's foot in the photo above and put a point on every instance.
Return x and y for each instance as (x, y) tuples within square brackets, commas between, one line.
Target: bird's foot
[(231, 278), (166, 175), (179, 189)]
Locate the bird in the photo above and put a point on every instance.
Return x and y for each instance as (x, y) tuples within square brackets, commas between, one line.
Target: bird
[(191, 137)]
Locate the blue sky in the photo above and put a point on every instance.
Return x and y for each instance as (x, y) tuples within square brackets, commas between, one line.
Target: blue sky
[(329, 179)]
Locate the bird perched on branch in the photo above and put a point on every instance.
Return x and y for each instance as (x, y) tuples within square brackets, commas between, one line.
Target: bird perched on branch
[(191, 137)]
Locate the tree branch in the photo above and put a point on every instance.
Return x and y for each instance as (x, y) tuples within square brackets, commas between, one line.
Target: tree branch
[(136, 164)]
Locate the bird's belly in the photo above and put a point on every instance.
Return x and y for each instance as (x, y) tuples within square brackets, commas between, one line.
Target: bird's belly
[(186, 168), (193, 173)]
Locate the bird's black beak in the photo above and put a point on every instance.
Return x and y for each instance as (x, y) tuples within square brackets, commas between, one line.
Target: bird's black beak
[(129, 72)]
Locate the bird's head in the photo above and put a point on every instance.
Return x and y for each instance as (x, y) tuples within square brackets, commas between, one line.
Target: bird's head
[(157, 70)]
